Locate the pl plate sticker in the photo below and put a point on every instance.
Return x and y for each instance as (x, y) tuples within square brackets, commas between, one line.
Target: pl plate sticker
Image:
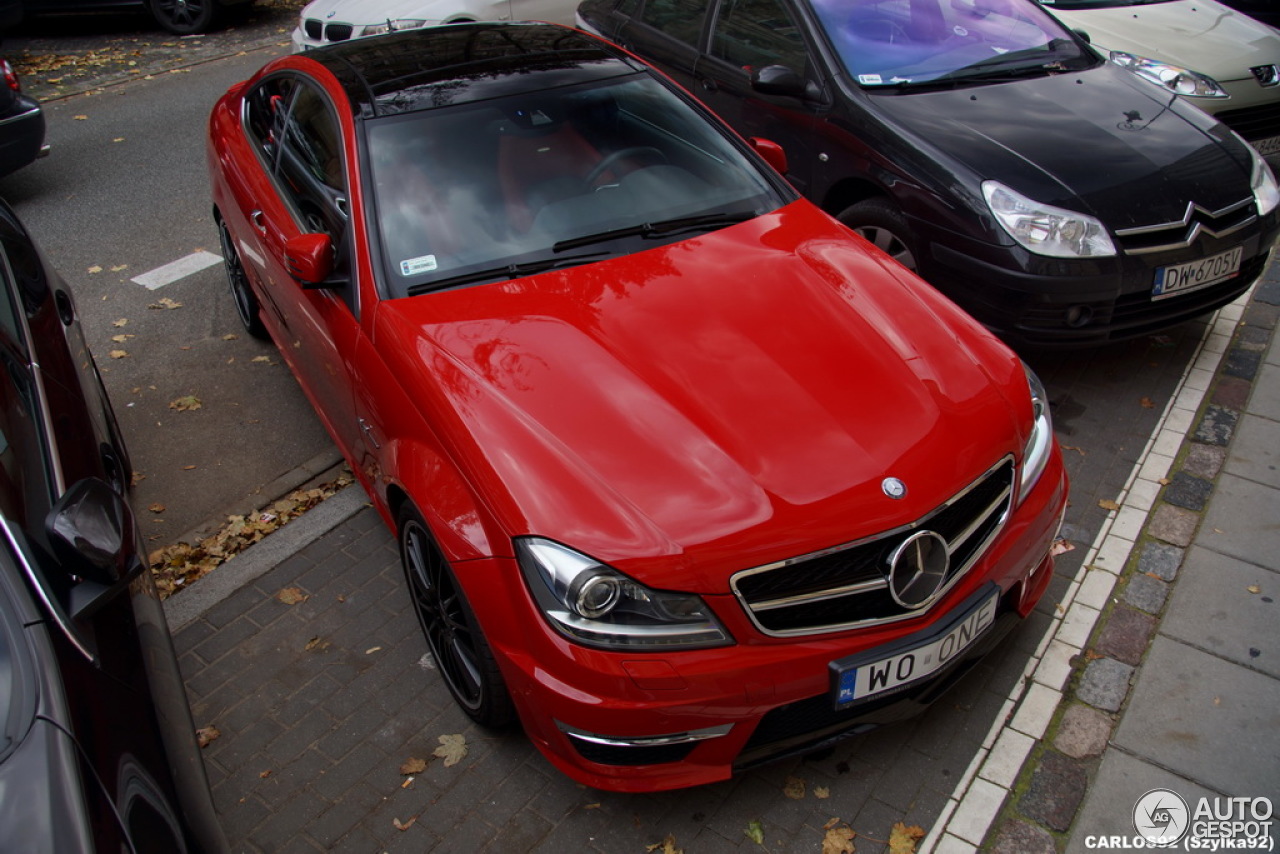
[(421, 264)]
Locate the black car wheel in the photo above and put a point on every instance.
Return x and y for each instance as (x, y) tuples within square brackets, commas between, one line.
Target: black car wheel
[(241, 294), (185, 17), (881, 223), (461, 653)]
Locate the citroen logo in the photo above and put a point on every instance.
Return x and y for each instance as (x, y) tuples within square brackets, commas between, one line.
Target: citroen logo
[(893, 487), (918, 569)]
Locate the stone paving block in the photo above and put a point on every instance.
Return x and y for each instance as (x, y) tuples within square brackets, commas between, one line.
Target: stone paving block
[(1105, 683), (1146, 593), (1188, 491), (1057, 788), (1204, 717), (1215, 609), (1083, 731), (1204, 460), (1173, 525), (1126, 635), (1161, 560), (1217, 425), (1020, 837), (1242, 362), (980, 806), (1231, 393)]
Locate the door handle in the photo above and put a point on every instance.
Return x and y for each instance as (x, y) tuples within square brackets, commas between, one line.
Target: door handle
[(258, 222), (709, 84)]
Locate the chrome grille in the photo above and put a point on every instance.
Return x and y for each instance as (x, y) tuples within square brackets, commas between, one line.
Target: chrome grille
[(846, 587), (1179, 234)]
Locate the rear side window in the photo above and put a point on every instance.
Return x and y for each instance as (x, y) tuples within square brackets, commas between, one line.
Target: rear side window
[(680, 19), (756, 33)]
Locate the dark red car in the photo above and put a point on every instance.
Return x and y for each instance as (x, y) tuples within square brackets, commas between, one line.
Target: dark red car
[(685, 475)]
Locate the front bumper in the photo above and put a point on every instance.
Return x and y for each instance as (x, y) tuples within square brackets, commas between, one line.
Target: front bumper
[(649, 721), (1030, 299)]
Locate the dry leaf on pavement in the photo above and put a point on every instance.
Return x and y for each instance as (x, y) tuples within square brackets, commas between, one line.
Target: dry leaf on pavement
[(206, 734), (903, 838), (666, 846), (838, 839), (292, 596), (188, 403), (402, 826), (794, 788), (452, 748), (413, 765), (1108, 504), (755, 831), (165, 303)]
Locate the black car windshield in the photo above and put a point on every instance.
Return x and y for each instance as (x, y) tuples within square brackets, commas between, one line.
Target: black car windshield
[(522, 184), (902, 43)]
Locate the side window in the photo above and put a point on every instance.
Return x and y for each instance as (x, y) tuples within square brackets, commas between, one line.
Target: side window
[(756, 33), (680, 19), (265, 112), (310, 167)]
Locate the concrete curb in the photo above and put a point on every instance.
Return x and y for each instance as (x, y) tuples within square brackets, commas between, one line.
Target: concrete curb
[(263, 556)]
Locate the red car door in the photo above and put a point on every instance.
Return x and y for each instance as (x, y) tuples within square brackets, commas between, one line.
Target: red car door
[(298, 135)]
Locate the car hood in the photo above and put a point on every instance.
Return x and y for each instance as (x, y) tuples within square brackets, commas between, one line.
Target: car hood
[(362, 12), (1148, 155), (718, 402), (1199, 35)]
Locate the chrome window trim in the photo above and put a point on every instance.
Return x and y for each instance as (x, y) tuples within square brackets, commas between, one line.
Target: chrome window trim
[(41, 593)]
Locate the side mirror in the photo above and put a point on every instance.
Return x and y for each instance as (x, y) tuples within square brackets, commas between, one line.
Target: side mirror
[(778, 80), (771, 152), (91, 530), (309, 258)]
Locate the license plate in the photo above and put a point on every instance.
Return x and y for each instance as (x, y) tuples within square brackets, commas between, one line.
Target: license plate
[(1180, 278), (1267, 147), (858, 681)]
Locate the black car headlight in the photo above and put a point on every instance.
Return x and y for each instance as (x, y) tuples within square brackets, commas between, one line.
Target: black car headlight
[(596, 605), (1035, 456)]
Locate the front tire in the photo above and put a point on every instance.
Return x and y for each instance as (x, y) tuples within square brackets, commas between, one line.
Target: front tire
[(882, 225), (462, 655), (187, 17)]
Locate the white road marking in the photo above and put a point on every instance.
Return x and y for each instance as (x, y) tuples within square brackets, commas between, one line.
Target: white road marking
[(180, 269)]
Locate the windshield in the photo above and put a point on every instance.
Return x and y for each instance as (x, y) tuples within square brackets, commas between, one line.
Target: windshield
[(526, 183), (891, 43)]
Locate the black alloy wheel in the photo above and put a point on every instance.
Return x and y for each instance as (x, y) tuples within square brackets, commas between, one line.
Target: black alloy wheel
[(186, 17), (881, 224), (461, 653), (238, 281)]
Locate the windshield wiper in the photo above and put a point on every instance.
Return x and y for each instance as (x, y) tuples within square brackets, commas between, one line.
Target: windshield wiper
[(1045, 58), (660, 228), (506, 271)]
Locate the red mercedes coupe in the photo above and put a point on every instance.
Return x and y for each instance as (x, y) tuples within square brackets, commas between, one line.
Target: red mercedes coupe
[(685, 475)]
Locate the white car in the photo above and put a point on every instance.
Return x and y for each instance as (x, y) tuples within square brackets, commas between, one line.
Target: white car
[(1219, 59), (324, 22)]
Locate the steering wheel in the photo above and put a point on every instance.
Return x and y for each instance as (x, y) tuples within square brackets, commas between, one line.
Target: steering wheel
[(621, 154)]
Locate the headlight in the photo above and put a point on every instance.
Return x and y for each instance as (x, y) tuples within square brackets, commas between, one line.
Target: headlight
[(1172, 77), (390, 26), (1036, 454), (596, 605), (1044, 229), (1266, 195)]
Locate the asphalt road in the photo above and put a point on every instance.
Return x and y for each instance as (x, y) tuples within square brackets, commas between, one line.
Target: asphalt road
[(125, 192)]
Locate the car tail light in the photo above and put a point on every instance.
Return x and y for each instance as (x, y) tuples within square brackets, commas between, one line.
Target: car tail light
[(10, 79)]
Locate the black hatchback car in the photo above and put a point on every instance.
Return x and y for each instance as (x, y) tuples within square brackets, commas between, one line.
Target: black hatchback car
[(97, 748), (1056, 197)]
